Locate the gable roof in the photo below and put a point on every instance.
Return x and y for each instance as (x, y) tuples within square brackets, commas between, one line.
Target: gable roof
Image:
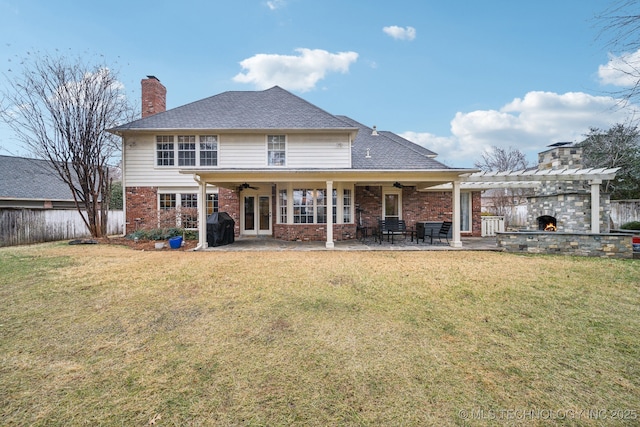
[(386, 150), (35, 179), (273, 108)]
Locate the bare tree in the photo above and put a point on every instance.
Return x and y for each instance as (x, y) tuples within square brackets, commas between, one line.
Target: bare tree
[(502, 160), (620, 27), (504, 200), (59, 109)]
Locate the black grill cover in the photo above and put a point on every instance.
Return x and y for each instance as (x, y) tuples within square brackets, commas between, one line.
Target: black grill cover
[(220, 229)]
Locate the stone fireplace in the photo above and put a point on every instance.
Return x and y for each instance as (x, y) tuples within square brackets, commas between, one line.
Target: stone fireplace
[(564, 204)]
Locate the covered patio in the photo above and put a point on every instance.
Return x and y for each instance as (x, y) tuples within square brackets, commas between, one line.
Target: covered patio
[(256, 244)]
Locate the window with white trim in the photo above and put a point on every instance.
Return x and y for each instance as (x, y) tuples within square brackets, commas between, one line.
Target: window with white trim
[(282, 206), (465, 211), (208, 150), (212, 203), (276, 150), (303, 211), (321, 206), (188, 217), (186, 150), (164, 150), (347, 207)]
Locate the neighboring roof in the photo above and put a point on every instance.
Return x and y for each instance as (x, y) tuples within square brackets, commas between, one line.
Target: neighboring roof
[(273, 108), (386, 150), (23, 178)]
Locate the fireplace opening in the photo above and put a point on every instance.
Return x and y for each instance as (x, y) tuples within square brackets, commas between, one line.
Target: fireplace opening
[(547, 223)]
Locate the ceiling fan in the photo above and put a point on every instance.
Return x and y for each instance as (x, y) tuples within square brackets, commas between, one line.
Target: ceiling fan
[(245, 186)]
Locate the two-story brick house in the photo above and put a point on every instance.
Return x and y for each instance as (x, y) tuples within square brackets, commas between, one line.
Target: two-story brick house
[(280, 167)]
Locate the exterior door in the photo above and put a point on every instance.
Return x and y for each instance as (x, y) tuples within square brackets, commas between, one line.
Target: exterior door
[(392, 204), (256, 215)]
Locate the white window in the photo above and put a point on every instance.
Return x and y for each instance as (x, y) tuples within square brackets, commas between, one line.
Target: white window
[(208, 150), (181, 210), (164, 150), (309, 206), (276, 150), (282, 204), (212, 203), (188, 209), (465, 211), (186, 150), (303, 212), (347, 208)]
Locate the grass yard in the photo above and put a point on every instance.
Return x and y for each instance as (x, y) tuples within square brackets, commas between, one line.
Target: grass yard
[(105, 335)]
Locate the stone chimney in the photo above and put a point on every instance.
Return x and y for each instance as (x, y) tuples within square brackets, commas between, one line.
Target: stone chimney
[(561, 155), (154, 96)]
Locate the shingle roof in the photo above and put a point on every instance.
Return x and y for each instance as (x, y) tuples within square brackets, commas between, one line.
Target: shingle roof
[(23, 178), (277, 108), (273, 108), (388, 151)]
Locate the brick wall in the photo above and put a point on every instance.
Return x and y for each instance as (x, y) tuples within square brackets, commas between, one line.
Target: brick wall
[(416, 206), (313, 232), (142, 204), (229, 202)]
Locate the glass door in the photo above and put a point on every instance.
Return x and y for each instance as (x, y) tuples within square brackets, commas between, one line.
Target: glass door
[(256, 215)]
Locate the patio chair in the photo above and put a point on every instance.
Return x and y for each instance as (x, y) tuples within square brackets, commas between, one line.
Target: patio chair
[(444, 231), (445, 227)]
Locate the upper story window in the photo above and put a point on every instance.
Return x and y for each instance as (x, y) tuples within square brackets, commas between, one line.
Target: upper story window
[(186, 150), (276, 150), (190, 150), (208, 150), (164, 150)]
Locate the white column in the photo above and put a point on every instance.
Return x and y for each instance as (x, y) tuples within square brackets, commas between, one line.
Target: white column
[(202, 215), (595, 205), (329, 243), (455, 241)]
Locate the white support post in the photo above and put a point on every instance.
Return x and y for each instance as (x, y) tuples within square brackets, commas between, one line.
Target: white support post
[(595, 205), (202, 215), (329, 244), (455, 241)]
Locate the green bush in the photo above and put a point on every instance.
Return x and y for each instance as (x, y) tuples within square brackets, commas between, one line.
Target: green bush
[(633, 225)]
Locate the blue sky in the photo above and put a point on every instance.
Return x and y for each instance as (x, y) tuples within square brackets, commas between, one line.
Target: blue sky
[(457, 77)]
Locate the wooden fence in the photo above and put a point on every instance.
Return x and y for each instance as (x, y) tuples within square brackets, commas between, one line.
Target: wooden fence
[(26, 226), (624, 211)]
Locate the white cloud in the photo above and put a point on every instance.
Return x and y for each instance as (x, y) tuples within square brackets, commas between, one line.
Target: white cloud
[(621, 70), (528, 124), (300, 72), (399, 33), (276, 4)]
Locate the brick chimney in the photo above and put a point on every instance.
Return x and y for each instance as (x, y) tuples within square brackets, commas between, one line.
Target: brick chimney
[(154, 96)]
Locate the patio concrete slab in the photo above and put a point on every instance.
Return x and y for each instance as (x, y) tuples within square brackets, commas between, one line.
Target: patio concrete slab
[(270, 244)]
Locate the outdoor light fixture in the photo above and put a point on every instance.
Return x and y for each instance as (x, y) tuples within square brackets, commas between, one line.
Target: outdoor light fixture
[(397, 185)]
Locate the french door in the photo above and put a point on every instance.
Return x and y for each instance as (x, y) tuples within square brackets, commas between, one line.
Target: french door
[(256, 215)]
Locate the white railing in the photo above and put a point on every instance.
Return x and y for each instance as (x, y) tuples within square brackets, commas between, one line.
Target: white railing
[(491, 225)]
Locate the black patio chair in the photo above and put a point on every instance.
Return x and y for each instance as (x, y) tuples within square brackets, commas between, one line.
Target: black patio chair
[(445, 227), (444, 231)]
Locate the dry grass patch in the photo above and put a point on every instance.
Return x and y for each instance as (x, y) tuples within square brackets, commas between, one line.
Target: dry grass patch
[(109, 336)]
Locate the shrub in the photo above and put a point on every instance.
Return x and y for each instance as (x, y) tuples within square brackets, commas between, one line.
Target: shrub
[(633, 225)]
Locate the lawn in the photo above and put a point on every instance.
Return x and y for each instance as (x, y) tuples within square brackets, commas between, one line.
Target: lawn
[(105, 335)]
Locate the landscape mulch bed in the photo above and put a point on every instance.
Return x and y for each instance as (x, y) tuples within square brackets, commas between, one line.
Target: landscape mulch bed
[(147, 245)]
